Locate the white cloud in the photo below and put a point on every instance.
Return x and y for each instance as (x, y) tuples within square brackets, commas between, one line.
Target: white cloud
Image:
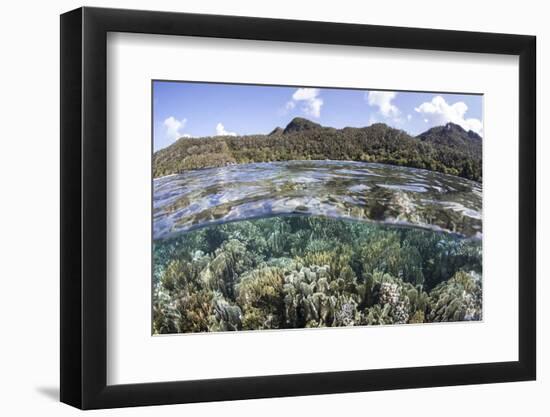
[(439, 112), (383, 100), (305, 94), (174, 128), (312, 103), (409, 117), (220, 131), (313, 107)]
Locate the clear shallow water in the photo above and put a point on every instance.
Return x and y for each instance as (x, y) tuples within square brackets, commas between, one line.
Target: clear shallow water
[(303, 271), (337, 189)]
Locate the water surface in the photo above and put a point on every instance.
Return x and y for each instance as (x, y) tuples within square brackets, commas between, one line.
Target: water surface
[(336, 189)]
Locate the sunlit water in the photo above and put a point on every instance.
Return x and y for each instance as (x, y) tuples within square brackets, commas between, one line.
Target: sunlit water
[(336, 189), (314, 244)]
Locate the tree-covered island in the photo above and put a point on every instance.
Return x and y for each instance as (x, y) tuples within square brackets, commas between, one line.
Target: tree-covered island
[(449, 149)]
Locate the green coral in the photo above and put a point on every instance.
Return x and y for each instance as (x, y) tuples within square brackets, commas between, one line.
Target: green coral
[(338, 260), (443, 255), (387, 251)]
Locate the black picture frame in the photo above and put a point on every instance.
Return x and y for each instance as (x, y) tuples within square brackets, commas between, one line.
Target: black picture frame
[(84, 207)]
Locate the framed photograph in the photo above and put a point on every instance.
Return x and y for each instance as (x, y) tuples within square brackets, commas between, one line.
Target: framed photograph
[(256, 208)]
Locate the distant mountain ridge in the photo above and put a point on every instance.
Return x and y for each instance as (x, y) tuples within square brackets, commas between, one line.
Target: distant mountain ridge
[(451, 134), (449, 148), (277, 131), (299, 124)]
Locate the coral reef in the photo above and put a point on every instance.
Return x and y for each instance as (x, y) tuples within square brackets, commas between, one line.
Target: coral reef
[(305, 271), (458, 299), (260, 293)]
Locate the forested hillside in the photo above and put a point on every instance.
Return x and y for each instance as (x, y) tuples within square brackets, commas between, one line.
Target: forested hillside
[(448, 149)]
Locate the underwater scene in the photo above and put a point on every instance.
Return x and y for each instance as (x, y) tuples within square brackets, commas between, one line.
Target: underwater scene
[(363, 209), (320, 244)]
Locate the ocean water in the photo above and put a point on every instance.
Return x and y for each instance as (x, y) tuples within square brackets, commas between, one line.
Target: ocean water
[(304, 244)]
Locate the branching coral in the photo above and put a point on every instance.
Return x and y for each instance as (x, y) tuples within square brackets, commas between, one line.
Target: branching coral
[(165, 314), (195, 311), (392, 301), (260, 293), (338, 260), (457, 299), (230, 260), (386, 251), (299, 272), (226, 316)]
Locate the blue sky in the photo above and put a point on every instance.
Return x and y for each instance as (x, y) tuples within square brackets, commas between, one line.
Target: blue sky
[(189, 109)]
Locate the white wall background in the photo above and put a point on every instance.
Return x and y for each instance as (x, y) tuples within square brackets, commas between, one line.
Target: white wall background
[(29, 220)]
